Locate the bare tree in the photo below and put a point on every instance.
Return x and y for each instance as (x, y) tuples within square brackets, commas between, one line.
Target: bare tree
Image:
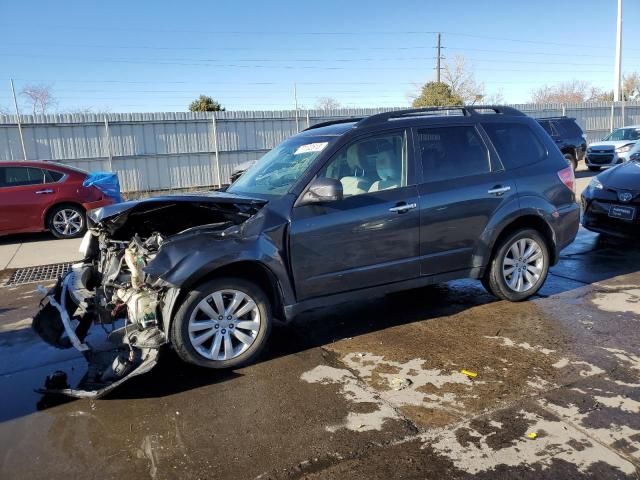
[(572, 91), (40, 97), (630, 85), (327, 103), (495, 98), (4, 110), (458, 74)]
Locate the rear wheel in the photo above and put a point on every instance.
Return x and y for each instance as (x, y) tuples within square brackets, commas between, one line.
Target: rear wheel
[(67, 221), (519, 266), (224, 323), (594, 169)]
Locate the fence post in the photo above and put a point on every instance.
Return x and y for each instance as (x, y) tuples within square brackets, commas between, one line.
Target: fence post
[(108, 142), (611, 122), (564, 110), (215, 148)]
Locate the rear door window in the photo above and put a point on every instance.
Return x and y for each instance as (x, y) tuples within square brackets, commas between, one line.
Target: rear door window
[(516, 144), (21, 176), (451, 152)]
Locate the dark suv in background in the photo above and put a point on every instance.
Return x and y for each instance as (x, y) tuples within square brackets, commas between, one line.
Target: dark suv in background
[(568, 136), (342, 211)]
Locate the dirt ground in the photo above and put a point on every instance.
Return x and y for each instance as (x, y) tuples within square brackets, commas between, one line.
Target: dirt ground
[(363, 390)]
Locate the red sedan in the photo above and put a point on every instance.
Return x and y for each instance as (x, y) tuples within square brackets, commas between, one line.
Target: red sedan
[(37, 196)]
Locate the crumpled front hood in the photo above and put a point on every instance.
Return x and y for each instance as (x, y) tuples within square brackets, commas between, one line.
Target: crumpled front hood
[(623, 177), (171, 214)]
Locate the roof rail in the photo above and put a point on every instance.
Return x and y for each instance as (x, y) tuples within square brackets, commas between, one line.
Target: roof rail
[(334, 122), (557, 117), (465, 110)]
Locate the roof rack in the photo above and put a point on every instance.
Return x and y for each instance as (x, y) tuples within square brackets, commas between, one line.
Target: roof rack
[(466, 111), (558, 117), (334, 122)]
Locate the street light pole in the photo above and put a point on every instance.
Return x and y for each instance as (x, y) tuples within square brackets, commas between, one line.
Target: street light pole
[(618, 66)]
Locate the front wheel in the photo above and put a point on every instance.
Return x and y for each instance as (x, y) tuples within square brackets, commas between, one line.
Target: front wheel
[(223, 323), (519, 266)]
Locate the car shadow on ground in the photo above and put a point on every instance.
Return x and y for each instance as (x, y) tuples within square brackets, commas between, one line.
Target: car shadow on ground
[(18, 238), (586, 173), (590, 259)]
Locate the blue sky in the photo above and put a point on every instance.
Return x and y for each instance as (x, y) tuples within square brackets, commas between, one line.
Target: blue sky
[(158, 55)]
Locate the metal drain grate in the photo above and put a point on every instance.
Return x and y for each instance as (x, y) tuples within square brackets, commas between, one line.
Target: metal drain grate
[(41, 273)]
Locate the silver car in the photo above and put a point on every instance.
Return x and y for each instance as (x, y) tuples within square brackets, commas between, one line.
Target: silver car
[(617, 147)]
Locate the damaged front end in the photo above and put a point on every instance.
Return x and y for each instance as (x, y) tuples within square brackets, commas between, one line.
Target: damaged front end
[(112, 290)]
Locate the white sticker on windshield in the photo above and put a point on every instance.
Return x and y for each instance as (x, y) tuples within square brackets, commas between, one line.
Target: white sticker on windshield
[(311, 147)]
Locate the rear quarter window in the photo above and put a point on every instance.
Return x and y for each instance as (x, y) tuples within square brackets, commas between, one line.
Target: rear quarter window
[(51, 176), (516, 144)]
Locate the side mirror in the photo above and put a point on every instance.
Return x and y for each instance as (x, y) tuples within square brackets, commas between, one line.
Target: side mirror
[(322, 190)]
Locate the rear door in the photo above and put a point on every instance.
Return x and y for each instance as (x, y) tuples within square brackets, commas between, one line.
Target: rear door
[(462, 185), (24, 196), (368, 238)]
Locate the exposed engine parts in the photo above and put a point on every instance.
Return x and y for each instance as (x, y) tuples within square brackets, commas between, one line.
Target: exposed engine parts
[(119, 289)]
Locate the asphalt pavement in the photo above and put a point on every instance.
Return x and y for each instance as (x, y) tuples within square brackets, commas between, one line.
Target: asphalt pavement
[(363, 390)]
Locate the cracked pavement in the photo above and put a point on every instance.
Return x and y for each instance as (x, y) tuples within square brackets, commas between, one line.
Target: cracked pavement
[(363, 390)]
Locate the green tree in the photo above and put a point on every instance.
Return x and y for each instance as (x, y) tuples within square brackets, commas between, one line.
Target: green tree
[(205, 103), (436, 94)]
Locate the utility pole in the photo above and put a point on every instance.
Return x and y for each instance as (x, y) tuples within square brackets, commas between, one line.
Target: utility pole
[(439, 56), (15, 103), (618, 67)]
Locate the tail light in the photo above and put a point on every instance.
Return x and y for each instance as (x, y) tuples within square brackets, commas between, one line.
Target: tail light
[(568, 177)]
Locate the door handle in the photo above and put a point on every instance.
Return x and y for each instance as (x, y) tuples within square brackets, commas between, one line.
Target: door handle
[(498, 190), (40, 192), (403, 207)]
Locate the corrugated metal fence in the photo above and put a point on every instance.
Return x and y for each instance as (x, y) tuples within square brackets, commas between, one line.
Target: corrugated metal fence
[(157, 151)]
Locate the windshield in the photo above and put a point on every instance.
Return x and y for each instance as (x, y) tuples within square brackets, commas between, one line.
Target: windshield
[(281, 167), (624, 134)]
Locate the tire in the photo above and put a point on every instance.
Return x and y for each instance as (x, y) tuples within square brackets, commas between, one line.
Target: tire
[(213, 351), (496, 279), (594, 169), (67, 221), (571, 160)]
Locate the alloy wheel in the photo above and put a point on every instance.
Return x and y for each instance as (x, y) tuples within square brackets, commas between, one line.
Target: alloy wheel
[(523, 265), (67, 222), (224, 324)]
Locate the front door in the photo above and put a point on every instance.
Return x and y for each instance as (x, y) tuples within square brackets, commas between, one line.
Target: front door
[(368, 238), (460, 190), (24, 196)]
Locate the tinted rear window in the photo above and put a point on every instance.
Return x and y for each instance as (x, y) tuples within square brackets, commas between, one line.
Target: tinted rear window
[(452, 152), (516, 144), (568, 128), (547, 126)]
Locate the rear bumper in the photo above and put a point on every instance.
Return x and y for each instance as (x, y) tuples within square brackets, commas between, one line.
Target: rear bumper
[(565, 226)]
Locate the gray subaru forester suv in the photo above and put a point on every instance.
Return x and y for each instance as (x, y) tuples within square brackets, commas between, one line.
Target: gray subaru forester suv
[(341, 211)]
